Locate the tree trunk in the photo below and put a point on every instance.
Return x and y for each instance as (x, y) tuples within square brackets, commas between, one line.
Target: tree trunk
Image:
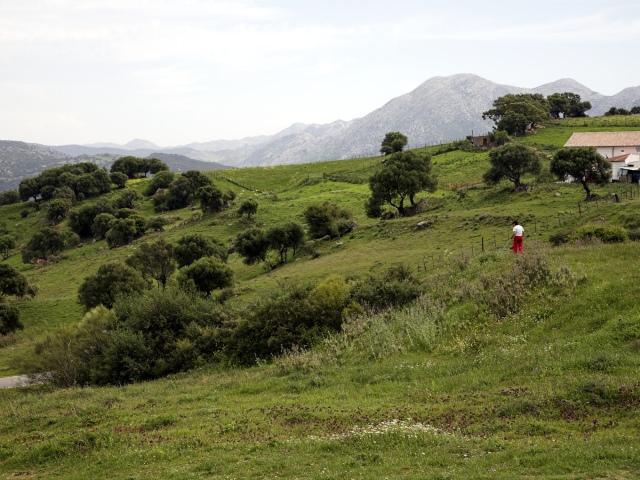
[(585, 185)]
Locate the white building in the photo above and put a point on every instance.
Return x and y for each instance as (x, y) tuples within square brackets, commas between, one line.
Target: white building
[(622, 149), (608, 144)]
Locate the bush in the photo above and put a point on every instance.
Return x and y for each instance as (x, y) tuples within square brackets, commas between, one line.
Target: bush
[(9, 319), (604, 233), (127, 199), (160, 180), (81, 220), (295, 319), (43, 245), (12, 282), (212, 199), (193, 247), (101, 225), (144, 337), (205, 275), (633, 235), (560, 238), (157, 224), (111, 281), (9, 197), (328, 219), (394, 287), (123, 231), (119, 179), (57, 210), (7, 243), (252, 245)]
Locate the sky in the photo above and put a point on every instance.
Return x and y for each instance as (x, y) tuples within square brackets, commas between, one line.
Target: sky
[(179, 71)]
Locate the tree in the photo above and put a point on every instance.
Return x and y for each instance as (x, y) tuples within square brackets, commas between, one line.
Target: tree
[(160, 180), (617, 111), (122, 232), (9, 319), (248, 207), (193, 247), (635, 110), (127, 199), (402, 176), (567, 104), (584, 165), (205, 275), (154, 260), (81, 220), (393, 142), (101, 225), (64, 193), (154, 166), (13, 282), (43, 244), (211, 199), (284, 237), (129, 165), (57, 210), (7, 243), (110, 282), (119, 179), (252, 245), (328, 219), (512, 161), (518, 113), (29, 188)]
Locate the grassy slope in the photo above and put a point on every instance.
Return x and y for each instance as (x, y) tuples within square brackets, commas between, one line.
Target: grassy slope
[(504, 398)]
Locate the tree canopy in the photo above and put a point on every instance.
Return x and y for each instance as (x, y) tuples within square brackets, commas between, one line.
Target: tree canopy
[(110, 282), (154, 260), (393, 142), (567, 104), (584, 165), (518, 113), (512, 161), (402, 176)]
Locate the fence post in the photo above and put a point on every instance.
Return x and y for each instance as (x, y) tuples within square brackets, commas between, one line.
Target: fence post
[(482, 238)]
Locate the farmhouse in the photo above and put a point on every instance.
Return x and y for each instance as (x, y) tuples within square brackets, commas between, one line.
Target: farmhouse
[(622, 149)]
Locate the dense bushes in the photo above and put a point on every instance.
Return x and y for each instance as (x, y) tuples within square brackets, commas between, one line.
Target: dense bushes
[(84, 179), (111, 281), (127, 199), (43, 245), (7, 243), (193, 247), (9, 319), (119, 179), (328, 219), (395, 286), (9, 197), (57, 210), (144, 337), (13, 282), (124, 230), (297, 318), (604, 233), (81, 220), (160, 180)]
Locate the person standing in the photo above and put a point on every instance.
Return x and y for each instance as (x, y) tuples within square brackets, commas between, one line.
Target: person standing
[(518, 237)]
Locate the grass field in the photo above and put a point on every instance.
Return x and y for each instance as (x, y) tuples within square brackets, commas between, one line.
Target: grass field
[(549, 392)]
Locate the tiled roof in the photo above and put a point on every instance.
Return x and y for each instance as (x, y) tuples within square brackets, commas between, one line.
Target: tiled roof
[(604, 139), (619, 158)]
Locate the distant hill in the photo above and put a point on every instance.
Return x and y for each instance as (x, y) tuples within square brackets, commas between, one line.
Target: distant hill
[(20, 159)]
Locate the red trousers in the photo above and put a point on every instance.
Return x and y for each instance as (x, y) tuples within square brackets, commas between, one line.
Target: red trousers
[(518, 243)]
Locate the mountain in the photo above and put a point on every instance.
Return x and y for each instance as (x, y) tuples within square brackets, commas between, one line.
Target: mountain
[(181, 163)]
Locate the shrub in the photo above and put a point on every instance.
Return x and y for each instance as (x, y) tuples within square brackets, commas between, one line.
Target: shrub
[(193, 247), (294, 319), (560, 238), (127, 199), (205, 275), (81, 220), (44, 244), (101, 225), (123, 231), (9, 319), (57, 210), (393, 287), (211, 199), (64, 193), (12, 282), (604, 233), (633, 235), (9, 197), (248, 207), (157, 224), (7, 243), (160, 180), (111, 281), (328, 219), (119, 179), (252, 245)]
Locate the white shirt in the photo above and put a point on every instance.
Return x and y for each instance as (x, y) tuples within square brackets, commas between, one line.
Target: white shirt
[(518, 230)]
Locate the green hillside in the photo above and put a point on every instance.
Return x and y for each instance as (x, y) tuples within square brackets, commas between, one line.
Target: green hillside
[(439, 389)]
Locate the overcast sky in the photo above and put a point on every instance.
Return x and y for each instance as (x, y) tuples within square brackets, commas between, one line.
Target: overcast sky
[(176, 71)]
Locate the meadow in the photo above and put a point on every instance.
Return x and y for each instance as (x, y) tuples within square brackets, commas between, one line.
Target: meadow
[(549, 391)]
